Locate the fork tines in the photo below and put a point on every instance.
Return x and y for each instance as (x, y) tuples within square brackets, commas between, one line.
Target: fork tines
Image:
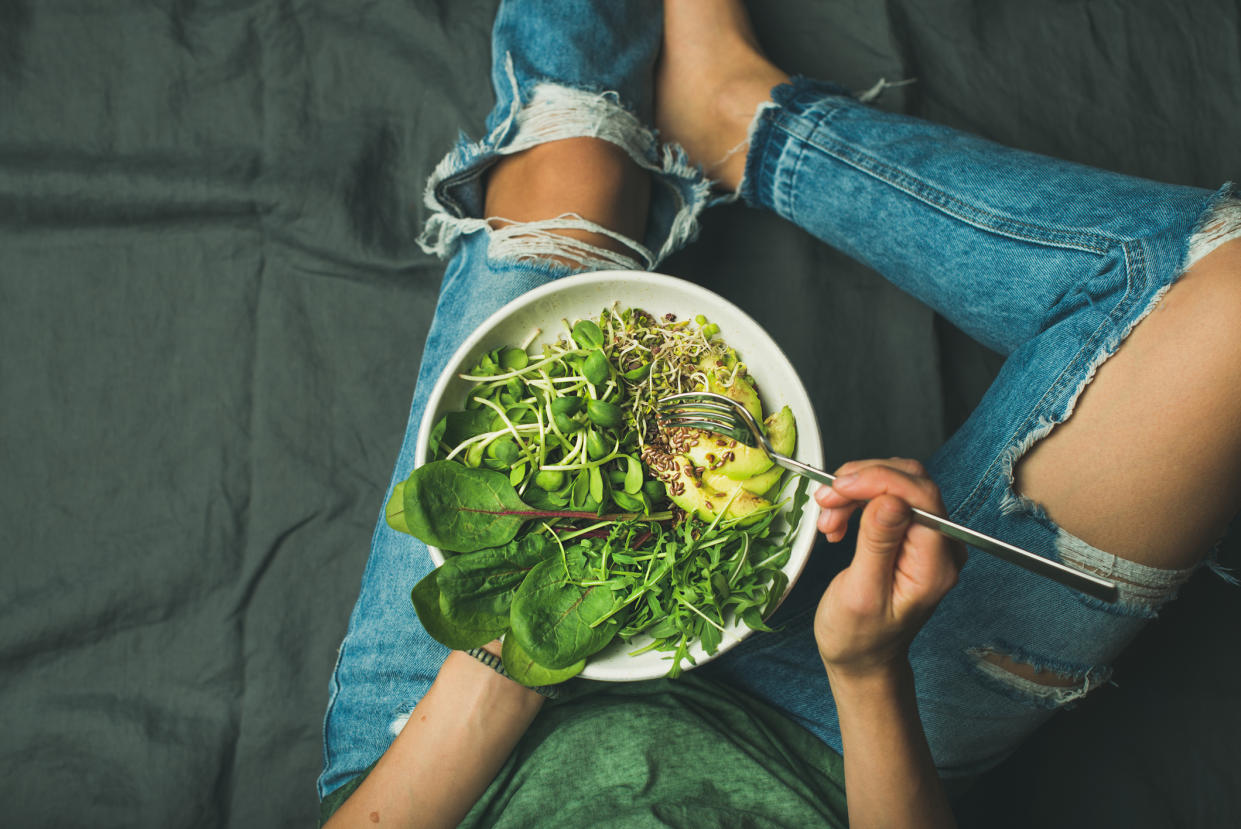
[(696, 401), (699, 410), (695, 423)]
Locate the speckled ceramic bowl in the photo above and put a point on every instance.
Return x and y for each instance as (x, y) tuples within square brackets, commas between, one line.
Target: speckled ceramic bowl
[(586, 295)]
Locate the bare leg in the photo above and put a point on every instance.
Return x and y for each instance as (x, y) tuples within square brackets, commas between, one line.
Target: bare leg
[(710, 79)]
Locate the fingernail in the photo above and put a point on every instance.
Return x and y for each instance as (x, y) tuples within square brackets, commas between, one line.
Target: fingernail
[(844, 480), (824, 521)]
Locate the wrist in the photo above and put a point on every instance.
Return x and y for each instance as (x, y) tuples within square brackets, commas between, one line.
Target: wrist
[(878, 681), (479, 682)]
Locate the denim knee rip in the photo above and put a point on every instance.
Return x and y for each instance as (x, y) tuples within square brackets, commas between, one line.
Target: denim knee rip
[(1069, 683), (1142, 589), (553, 112), (1222, 223)]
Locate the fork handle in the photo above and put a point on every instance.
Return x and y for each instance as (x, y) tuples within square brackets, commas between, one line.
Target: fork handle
[(1088, 583)]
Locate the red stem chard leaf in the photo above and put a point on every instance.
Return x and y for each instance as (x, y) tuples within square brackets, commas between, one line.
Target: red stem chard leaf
[(460, 509)]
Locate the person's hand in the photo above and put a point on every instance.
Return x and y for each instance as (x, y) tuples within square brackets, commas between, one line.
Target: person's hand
[(871, 611)]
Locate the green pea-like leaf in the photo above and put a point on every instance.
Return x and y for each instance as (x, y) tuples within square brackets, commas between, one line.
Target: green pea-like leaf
[(628, 502), (459, 426), (568, 405), (588, 334), (517, 474), (596, 369), (637, 375), (513, 358), (566, 424), (633, 475), (596, 445), (581, 489), (605, 414), (596, 484)]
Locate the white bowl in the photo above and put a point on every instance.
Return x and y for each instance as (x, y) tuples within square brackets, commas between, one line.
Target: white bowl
[(585, 296)]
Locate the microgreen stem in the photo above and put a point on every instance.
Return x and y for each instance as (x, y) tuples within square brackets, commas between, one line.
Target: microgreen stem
[(475, 378)]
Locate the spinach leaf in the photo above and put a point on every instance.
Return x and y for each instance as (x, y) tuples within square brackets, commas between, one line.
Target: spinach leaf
[(394, 510), (522, 667), (476, 589), (556, 620), (460, 509), (452, 633)]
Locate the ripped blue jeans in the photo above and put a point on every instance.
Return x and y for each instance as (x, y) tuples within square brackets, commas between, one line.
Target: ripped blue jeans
[(1048, 262)]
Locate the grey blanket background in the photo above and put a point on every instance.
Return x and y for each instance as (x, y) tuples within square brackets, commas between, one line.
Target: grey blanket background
[(211, 313)]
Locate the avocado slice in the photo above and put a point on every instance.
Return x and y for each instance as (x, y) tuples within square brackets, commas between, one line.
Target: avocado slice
[(782, 432), (725, 456), (692, 495), (742, 389)]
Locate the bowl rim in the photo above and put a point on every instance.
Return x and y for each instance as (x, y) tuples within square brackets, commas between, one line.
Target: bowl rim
[(809, 442)]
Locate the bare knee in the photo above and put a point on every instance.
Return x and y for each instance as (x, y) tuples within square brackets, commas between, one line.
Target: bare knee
[(572, 201)]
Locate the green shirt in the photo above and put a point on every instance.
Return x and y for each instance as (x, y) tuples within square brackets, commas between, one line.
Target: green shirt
[(669, 753)]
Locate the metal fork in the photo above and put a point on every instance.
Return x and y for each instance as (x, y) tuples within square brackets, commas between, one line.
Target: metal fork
[(725, 416)]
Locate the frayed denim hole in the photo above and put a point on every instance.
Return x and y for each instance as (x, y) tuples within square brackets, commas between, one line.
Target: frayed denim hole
[(756, 123), (447, 191), (541, 242), (553, 112), (1029, 692), (1143, 589), (767, 143), (1218, 224), (399, 722)]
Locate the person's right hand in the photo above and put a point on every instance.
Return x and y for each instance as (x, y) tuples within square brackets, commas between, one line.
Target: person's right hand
[(900, 570)]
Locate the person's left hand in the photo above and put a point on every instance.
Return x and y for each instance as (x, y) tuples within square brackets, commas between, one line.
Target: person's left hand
[(900, 570)]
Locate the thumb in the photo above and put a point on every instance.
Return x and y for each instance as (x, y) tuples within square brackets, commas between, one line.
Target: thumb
[(880, 536)]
